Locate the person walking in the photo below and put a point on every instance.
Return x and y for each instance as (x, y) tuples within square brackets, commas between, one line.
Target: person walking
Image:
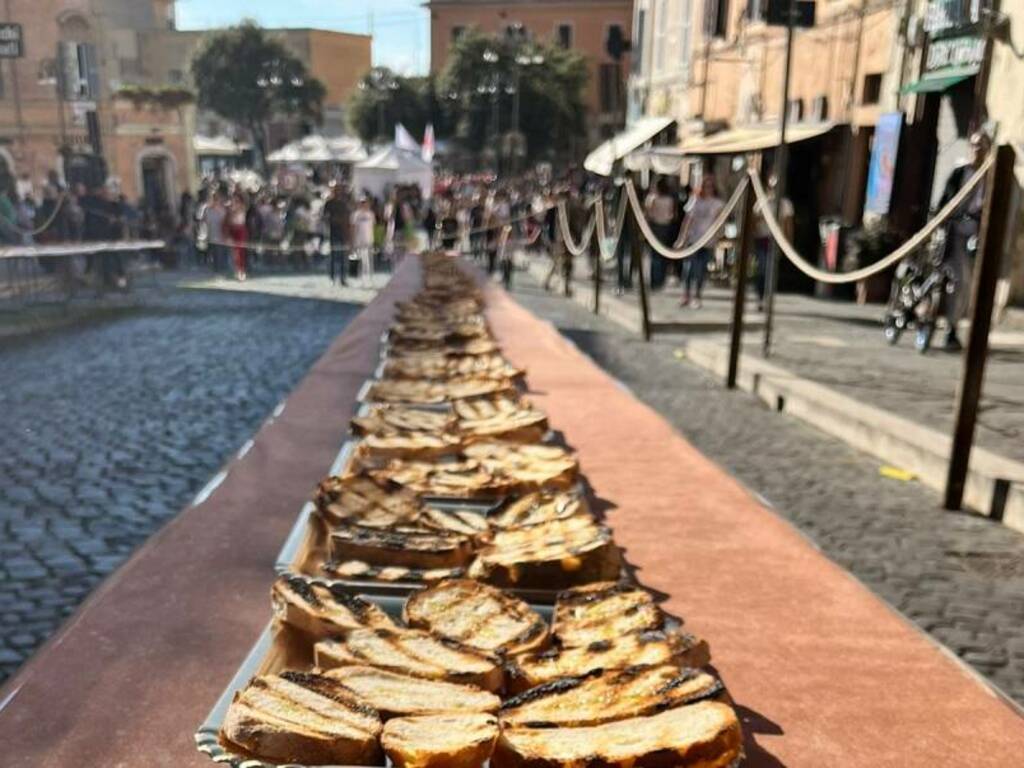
[(962, 235), (660, 209), (702, 210), (763, 237), (363, 224), (213, 223), (237, 233)]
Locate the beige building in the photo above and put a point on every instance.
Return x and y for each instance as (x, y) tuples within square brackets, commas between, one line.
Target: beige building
[(58, 105), (582, 25)]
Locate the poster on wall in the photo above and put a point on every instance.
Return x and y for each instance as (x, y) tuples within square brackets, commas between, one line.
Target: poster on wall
[(882, 170)]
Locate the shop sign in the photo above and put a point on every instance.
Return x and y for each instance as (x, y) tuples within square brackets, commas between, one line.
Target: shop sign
[(882, 170), (11, 41), (943, 16), (960, 52)]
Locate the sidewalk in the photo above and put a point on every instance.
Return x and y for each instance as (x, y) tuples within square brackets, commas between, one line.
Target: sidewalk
[(831, 366)]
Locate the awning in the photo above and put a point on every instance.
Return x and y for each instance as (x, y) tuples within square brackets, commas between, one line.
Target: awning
[(220, 146), (940, 80), (602, 160), (667, 161), (736, 141)]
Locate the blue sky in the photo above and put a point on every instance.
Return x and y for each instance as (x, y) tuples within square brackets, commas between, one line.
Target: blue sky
[(401, 28)]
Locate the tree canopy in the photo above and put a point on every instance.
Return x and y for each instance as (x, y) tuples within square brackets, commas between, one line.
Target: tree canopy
[(246, 76), (385, 98), (486, 73)]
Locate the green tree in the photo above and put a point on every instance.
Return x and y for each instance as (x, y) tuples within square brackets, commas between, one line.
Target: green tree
[(384, 99), (493, 85), (246, 76)]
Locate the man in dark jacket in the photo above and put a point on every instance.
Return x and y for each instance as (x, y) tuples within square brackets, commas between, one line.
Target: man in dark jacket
[(338, 212)]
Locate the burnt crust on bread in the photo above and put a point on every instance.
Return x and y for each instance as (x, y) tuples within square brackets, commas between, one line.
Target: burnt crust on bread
[(702, 735), (539, 507), (415, 653), (411, 548), (367, 501), (323, 610), (360, 570), (395, 695), (440, 741), (477, 615), (604, 610), (302, 717), (604, 696), (424, 392), (638, 648)]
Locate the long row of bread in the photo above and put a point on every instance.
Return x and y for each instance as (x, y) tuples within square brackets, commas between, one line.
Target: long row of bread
[(462, 671)]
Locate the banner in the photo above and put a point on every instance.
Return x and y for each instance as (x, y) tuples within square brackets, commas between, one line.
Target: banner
[(882, 170), (404, 139)]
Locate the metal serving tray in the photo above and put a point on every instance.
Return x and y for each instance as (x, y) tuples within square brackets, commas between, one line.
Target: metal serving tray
[(279, 647)]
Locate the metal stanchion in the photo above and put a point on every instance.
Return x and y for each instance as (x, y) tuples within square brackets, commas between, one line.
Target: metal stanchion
[(998, 190), (636, 241), (595, 247), (740, 296)]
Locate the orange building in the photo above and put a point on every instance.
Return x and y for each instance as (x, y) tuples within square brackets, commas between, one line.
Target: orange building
[(582, 25)]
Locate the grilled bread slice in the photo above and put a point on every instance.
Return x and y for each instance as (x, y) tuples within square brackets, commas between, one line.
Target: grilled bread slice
[(605, 696), (412, 652), (525, 467), (705, 735), (373, 450), (426, 392), (477, 346), (395, 695), (409, 547), (359, 570), (603, 611), (463, 521), (639, 648), (439, 366), (366, 501), (321, 610), (504, 418), (440, 741), (448, 479), (387, 420), (551, 555), (301, 717), (477, 615), (539, 507)]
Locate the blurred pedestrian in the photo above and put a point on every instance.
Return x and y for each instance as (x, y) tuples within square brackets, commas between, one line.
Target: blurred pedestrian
[(701, 212), (338, 212), (364, 223), (660, 210), (237, 232)]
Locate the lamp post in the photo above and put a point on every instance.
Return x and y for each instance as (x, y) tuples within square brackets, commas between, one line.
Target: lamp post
[(522, 60), (381, 82)]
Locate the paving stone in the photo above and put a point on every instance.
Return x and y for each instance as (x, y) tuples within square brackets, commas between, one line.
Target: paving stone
[(108, 430)]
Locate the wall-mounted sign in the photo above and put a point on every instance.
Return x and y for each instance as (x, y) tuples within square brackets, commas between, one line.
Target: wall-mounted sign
[(11, 46), (943, 16), (960, 52), (882, 170)]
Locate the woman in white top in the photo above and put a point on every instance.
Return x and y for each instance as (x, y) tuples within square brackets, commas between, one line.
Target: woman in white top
[(701, 212), (660, 209), (363, 224)]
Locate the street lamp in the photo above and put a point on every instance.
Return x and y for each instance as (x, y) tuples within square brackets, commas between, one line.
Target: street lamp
[(380, 81), (522, 61)]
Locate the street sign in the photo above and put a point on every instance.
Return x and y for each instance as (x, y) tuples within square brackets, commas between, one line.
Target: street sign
[(11, 41), (777, 13)]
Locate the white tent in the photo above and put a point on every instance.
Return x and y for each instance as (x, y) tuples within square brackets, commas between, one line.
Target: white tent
[(319, 149), (390, 166)]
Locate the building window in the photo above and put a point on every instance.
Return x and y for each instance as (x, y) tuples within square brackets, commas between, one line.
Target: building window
[(756, 9), (796, 110), (516, 31), (457, 32), (638, 42), (47, 72), (175, 77), (820, 108), (565, 35), (716, 18), (78, 71), (611, 88), (660, 33), (872, 89)]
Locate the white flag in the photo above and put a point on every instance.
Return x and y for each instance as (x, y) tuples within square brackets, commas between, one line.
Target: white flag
[(404, 139), (428, 143)]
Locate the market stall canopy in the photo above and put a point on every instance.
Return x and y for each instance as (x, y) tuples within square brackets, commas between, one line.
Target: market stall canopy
[(389, 166), (320, 149), (667, 161), (940, 80), (218, 146), (602, 160), (752, 139)]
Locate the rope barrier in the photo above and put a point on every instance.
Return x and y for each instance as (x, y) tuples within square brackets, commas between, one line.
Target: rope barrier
[(701, 243), (46, 224), (563, 225), (608, 252), (896, 256)]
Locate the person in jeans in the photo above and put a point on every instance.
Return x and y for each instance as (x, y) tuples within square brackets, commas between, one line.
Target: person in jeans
[(701, 212), (763, 238), (660, 209)]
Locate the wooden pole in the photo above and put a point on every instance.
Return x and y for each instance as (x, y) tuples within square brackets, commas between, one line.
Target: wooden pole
[(998, 191), (740, 295), (636, 246)]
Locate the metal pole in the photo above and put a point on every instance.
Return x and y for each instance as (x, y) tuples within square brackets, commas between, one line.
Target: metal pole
[(636, 243), (740, 294), (595, 247), (781, 164), (998, 192)]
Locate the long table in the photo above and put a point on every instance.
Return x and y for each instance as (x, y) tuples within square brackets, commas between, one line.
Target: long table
[(824, 674)]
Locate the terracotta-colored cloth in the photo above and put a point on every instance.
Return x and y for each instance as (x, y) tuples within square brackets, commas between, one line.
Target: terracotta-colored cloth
[(825, 675)]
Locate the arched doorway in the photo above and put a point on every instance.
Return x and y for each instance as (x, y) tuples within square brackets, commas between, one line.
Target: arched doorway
[(156, 171)]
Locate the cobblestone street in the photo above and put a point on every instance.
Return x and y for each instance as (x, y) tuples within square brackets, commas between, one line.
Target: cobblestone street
[(957, 576), (108, 430)]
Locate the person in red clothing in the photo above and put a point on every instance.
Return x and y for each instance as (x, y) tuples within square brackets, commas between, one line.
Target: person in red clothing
[(237, 233)]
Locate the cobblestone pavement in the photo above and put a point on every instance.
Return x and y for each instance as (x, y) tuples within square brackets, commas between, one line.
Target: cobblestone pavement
[(108, 430), (958, 576), (839, 344)]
